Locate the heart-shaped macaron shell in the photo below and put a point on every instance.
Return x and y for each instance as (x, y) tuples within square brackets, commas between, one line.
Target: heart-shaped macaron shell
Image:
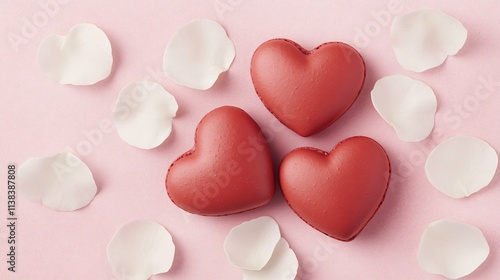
[(228, 171), (307, 90), (338, 192)]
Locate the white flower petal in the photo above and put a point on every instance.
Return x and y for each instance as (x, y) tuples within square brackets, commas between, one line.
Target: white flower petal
[(61, 182), (82, 57), (197, 53), (283, 265), (143, 114), (407, 105), (452, 249), (141, 249), (250, 245), (461, 166), (423, 39)]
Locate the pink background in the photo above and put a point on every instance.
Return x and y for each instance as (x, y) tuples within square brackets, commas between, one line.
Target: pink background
[(40, 117)]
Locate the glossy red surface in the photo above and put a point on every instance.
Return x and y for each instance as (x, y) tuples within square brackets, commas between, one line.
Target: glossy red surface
[(337, 193), (229, 170), (307, 90)]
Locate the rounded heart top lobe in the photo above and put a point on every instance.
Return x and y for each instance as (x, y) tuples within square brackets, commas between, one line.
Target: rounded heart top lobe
[(307, 90), (229, 170)]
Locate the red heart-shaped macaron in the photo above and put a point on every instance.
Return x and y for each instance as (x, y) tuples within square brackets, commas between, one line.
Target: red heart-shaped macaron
[(307, 90), (336, 193), (229, 170)]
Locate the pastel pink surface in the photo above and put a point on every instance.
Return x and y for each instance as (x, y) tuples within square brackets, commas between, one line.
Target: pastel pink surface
[(40, 117)]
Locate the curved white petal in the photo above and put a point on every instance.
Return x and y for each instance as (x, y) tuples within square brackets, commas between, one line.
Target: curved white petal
[(143, 114), (423, 39), (82, 57), (61, 182), (283, 265), (250, 245), (141, 249), (461, 166), (452, 249), (408, 105), (197, 53)]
